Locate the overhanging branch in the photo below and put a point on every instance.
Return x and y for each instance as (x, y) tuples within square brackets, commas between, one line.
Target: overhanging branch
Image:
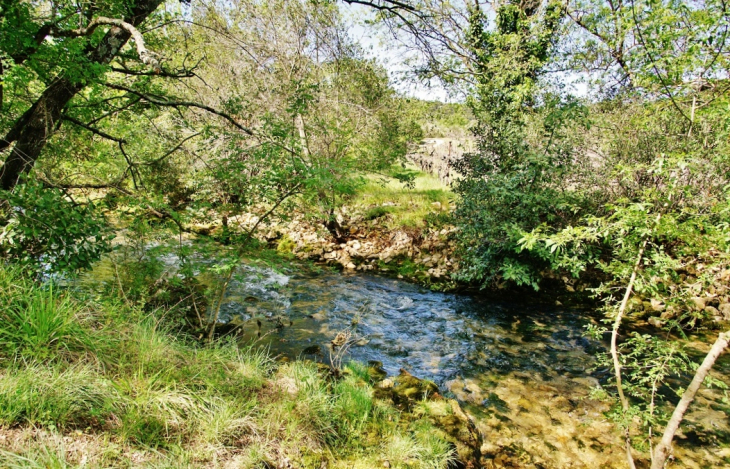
[(177, 104), (144, 55), (92, 129)]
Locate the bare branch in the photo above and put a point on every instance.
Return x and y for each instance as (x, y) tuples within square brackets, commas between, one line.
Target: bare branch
[(93, 130), (664, 447), (176, 104), (159, 72), (392, 6), (144, 55)]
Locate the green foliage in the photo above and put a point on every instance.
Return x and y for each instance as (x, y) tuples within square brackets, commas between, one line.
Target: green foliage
[(285, 246), (665, 224), (439, 119), (525, 146), (43, 229)]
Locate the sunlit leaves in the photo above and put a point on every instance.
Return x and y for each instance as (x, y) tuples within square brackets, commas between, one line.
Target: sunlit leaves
[(44, 229)]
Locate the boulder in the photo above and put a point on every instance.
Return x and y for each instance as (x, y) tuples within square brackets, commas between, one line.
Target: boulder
[(422, 399), (698, 303), (725, 311)]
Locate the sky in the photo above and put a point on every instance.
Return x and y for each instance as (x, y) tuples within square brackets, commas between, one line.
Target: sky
[(377, 45)]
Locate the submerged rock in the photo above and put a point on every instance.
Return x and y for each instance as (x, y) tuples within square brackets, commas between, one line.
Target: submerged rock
[(408, 389), (312, 350), (421, 399)]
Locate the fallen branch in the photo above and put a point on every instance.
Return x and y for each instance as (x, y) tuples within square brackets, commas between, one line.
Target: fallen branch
[(664, 446)]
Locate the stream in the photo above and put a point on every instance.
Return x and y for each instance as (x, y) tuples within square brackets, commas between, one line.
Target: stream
[(524, 371)]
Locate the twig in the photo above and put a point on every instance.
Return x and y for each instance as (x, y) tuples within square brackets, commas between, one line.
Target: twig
[(614, 349)]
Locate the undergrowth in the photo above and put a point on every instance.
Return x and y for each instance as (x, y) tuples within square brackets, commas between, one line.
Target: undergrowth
[(99, 383)]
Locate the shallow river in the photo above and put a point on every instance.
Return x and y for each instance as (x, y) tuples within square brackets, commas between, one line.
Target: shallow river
[(524, 371)]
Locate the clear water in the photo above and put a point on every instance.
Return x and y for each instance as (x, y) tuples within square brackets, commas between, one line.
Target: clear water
[(433, 335), (523, 370)]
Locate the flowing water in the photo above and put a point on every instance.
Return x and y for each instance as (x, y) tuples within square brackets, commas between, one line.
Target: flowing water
[(524, 371)]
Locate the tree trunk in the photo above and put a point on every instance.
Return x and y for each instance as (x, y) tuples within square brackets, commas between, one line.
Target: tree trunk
[(32, 131)]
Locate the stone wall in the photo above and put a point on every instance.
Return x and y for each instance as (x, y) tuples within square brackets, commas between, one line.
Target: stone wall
[(438, 155), (370, 246)]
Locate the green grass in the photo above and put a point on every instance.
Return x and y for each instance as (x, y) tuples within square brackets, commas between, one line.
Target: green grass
[(400, 205), (35, 322), (110, 379)]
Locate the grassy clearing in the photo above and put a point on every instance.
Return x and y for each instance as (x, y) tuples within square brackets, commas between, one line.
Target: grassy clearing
[(401, 206), (99, 384)]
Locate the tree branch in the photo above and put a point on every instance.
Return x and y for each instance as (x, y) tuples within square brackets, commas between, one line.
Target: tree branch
[(156, 73), (176, 148), (662, 450), (144, 55), (614, 348), (90, 186), (98, 132), (384, 5), (176, 104)]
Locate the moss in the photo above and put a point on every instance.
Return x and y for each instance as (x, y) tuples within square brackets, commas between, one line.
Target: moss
[(285, 245)]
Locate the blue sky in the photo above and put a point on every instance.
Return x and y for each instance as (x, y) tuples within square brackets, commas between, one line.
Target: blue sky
[(376, 45)]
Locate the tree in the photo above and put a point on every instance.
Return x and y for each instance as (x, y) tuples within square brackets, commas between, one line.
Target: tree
[(81, 57), (660, 150), (322, 113), (525, 147)]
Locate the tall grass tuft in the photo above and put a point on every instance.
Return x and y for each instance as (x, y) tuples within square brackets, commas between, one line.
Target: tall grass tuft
[(45, 457), (35, 321), (353, 405)]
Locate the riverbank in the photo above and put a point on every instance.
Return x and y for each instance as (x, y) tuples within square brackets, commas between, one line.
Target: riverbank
[(94, 382), (386, 227)]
